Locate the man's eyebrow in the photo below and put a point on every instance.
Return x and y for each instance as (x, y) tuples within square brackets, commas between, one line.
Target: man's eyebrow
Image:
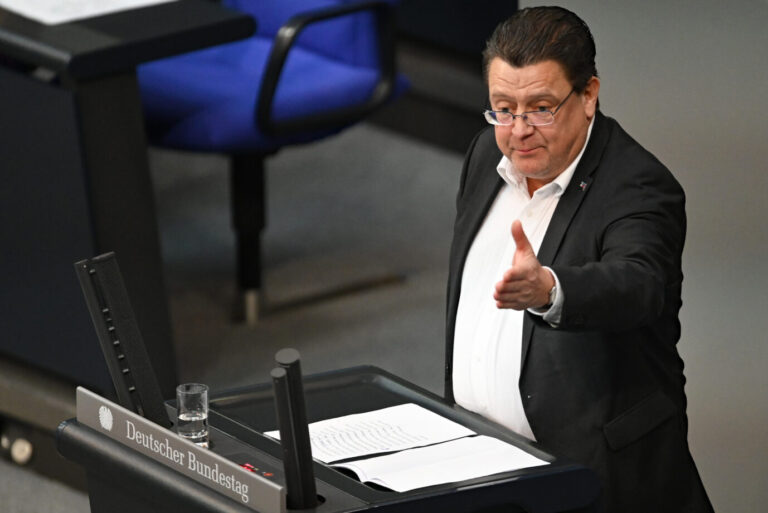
[(542, 96), (533, 98)]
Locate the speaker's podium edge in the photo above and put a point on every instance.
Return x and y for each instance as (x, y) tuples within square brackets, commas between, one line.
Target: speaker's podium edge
[(122, 479)]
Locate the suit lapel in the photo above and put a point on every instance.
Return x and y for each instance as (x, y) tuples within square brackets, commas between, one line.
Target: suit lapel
[(569, 203), (467, 225), (471, 220), (482, 186)]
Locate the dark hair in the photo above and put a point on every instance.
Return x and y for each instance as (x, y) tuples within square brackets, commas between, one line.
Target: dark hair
[(537, 34)]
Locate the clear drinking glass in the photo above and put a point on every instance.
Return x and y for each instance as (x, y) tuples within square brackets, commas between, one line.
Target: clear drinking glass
[(192, 416)]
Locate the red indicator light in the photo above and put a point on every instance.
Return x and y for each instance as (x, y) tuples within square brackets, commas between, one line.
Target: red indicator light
[(249, 467)]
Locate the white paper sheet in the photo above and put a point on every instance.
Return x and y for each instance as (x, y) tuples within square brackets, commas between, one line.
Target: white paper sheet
[(457, 460), (61, 11), (386, 430)]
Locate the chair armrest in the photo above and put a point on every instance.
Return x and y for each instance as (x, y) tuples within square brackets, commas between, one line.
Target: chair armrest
[(284, 41)]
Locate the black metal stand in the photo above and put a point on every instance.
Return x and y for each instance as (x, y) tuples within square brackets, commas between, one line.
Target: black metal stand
[(294, 431)]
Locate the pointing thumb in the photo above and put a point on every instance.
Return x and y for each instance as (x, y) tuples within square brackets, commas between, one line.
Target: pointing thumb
[(521, 241)]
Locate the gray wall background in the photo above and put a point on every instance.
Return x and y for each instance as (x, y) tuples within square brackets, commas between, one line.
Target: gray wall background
[(688, 80)]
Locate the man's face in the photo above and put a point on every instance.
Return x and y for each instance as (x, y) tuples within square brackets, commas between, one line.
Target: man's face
[(540, 153)]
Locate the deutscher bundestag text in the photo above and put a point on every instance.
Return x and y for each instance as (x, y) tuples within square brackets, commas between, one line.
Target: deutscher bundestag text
[(164, 448)]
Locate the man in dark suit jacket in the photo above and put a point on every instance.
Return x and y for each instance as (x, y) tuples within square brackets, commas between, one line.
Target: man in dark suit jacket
[(596, 293)]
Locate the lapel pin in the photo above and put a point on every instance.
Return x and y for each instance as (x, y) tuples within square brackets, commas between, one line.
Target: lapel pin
[(583, 186)]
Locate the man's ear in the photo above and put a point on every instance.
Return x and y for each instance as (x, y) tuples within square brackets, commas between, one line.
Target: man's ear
[(590, 95)]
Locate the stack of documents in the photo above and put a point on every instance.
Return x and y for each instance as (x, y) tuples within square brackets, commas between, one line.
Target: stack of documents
[(407, 447)]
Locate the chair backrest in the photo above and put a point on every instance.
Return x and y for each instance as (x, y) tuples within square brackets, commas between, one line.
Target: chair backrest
[(350, 39)]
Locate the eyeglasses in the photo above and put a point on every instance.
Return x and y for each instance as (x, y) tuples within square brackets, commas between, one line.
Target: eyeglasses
[(533, 118)]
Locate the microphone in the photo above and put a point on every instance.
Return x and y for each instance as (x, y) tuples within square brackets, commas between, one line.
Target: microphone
[(294, 431)]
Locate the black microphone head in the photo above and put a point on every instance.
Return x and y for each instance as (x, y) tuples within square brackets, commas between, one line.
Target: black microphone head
[(287, 356)]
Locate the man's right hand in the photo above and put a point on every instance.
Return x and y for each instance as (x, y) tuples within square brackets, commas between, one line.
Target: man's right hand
[(526, 284)]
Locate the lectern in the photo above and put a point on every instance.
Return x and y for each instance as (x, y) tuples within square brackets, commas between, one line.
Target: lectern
[(122, 479), (134, 463)]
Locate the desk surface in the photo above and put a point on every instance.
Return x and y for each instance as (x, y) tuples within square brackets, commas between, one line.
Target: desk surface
[(120, 41), (244, 414)]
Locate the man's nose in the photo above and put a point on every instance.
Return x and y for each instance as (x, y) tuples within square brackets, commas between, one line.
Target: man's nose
[(520, 128)]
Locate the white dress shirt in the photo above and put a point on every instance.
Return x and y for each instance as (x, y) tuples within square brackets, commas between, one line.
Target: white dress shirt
[(488, 340)]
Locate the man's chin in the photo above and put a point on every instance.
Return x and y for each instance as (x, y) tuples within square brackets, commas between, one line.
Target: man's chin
[(528, 170)]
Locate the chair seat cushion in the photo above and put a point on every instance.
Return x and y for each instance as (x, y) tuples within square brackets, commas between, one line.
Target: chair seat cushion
[(205, 100)]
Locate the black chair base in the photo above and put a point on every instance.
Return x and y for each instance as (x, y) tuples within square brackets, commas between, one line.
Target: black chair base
[(248, 203), (251, 306)]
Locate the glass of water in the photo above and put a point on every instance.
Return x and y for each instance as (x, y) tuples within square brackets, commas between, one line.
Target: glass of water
[(192, 416)]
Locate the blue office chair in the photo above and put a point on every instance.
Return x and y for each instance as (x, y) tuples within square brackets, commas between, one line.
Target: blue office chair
[(313, 68)]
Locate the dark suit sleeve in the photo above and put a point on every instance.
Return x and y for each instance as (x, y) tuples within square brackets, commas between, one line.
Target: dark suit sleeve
[(626, 244)]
